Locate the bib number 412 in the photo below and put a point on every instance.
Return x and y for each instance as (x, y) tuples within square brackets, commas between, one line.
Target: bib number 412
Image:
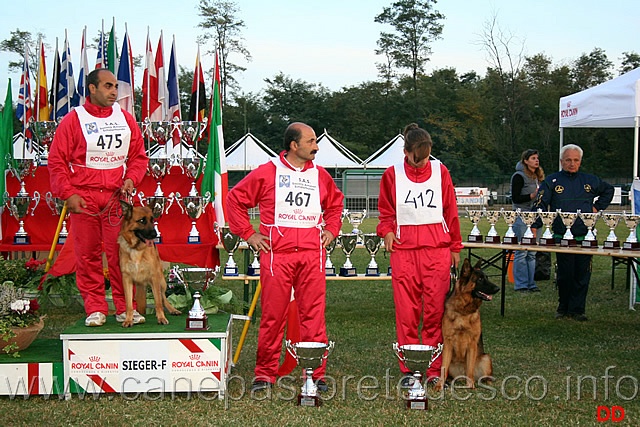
[(421, 200)]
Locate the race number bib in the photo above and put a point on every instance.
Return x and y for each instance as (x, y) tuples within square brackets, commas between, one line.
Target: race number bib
[(107, 138), (297, 197), (419, 203)]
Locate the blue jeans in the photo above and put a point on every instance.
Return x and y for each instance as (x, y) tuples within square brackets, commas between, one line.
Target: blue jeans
[(524, 262)]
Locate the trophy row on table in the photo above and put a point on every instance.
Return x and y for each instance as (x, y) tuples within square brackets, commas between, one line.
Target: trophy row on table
[(547, 239)]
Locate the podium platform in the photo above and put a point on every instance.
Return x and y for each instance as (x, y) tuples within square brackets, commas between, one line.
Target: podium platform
[(38, 370)]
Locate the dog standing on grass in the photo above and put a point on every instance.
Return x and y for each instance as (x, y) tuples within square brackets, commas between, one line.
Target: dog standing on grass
[(140, 263), (463, 352)]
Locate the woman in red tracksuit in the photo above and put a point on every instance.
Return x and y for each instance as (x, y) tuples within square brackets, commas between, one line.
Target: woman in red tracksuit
[(420, 227)]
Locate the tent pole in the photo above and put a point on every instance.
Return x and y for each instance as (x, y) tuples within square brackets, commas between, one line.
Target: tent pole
[(635, 146), (560, 151)]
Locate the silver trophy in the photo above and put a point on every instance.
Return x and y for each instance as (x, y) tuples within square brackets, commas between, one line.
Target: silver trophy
[(547, 219), (45, 132), (510, 218), (492, 218), (159, 133), (589, 220), (528, 218), (192, 131), (329, 269), (372, 243), (417, 358), (355, 219), (157, 204), (631, 221), (230, 243), (158, 168), (193, 169), (56, 205), (194, 206), (611, 219), (568, 219), (348, 243), (196, 279), (475, 216), (254, 268), (19, 208), (21, 168), (309, 356)]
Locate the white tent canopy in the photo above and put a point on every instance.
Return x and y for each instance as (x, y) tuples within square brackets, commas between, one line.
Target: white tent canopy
[(247, 153), (332, 154), (612, 104), (391, 153)]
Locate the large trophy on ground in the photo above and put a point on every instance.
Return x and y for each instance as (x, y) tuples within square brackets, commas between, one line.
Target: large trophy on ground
[(197, 279), (348, 244), (547, 218), (510, 218), (589, 219), (19, 208), (56, 205), (417, 358), (631, 222), (230, 242), (309, 356), (372, 243), (475, 216), (611, 219), (492, 218)]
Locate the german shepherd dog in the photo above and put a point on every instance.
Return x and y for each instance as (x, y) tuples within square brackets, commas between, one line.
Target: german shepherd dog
[(463, 351), (140, 263)]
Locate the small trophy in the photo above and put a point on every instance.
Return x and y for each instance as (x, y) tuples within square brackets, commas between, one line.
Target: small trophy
[(589, 220), (417, 358), (157, 204), (329, 269), (194, 206), (631, 222), (475, 216), (45, 132), (193, 169), (197, 279), (309, 356), (510, 218), (528, 218), (355, 219), (230, 243), (158, 168), (611, 219), (547, 219), (19, 208), (192, 131), (568, 218), (372, 242), (56, 204), (254, 268), (492, 235), (348, 244)]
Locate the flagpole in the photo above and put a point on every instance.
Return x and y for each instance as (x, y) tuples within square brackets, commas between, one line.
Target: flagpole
[(66, 52), (163, 105), (37, 97), (25, 94), (198, 66), (57, 80), (148, 100)]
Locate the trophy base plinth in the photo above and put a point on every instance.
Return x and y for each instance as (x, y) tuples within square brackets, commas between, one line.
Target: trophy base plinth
[(547, 241), (608, 244), (371, 271), (330, 271), (568, 242), (633, 246), (157, 240), (253, 271), (528, 241), (62, 240), (389, 271), (589, 244), (511, 240), (348, 271), (193, 239), (196, 324), (21, 240), (312, 401), (418, 403), (472, 238), (492, 239), (230, 271)]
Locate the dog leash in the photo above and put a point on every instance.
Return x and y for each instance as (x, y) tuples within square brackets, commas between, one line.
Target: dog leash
[(453, 277)]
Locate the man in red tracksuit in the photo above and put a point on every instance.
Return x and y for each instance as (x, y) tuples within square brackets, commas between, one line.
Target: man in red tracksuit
[(97, 154), (300, 214), (420, 226)]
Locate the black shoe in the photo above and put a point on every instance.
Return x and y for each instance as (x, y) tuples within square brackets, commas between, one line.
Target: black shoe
[(579, 317), (322, 386), (534, 289), (560, 315), (260, 385), (407, 381)]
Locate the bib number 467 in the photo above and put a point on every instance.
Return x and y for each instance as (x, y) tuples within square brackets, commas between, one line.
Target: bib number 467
[(300, 199)]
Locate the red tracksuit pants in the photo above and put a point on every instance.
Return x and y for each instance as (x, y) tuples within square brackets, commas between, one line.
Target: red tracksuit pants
[(89, 234), (300, 270), (420, 280)]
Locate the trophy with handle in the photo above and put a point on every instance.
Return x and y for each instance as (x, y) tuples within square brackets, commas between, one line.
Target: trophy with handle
[(492, 218), (230, 242), (417, 358), (589, 219), (510, 218), (372, 243), (21, 168), (56, 205), (157, 204), (254, 268), (475, 236), (355, 219), (528, 218), (631, 221), (194, 206), (611, 219), (329, 268), (19, 208), (309, 356), (45, 132), (198, 280), (193, 169), (348, 244), (158, 168), (547, 220), (568, 219)]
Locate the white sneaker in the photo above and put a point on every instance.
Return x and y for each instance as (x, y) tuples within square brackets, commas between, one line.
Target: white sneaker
[(95, 319), (137, 317)]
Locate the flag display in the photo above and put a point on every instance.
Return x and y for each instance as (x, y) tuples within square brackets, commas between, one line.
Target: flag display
[(55, 81), (159, 114), (67, 97), (125, 77), (198, 96), (101, 58), (83, 90), (23, 109), (150, 101), (215, 174), (174, 93), (112, 51), (42, 97)]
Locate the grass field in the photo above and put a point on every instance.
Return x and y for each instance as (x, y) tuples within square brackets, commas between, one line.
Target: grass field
[(547, 372)]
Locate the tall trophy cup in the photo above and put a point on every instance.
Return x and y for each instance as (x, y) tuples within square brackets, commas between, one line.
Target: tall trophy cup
[(510, 218), (194, 206), (492, 235), (589, 219), (329, 269), (19, 208), (21, 168), (568, 218), (56, 204), (355, 219), (192, 131), (547, 220), (197, 279), (417, 358), (158, 168), (631, 222), (254, 268), (157, 204), (372, 243), (611, 219), (348, 244), (309, 356), (44, 132), (475, 216), (528, 218), (230, 243), (193, 169)]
